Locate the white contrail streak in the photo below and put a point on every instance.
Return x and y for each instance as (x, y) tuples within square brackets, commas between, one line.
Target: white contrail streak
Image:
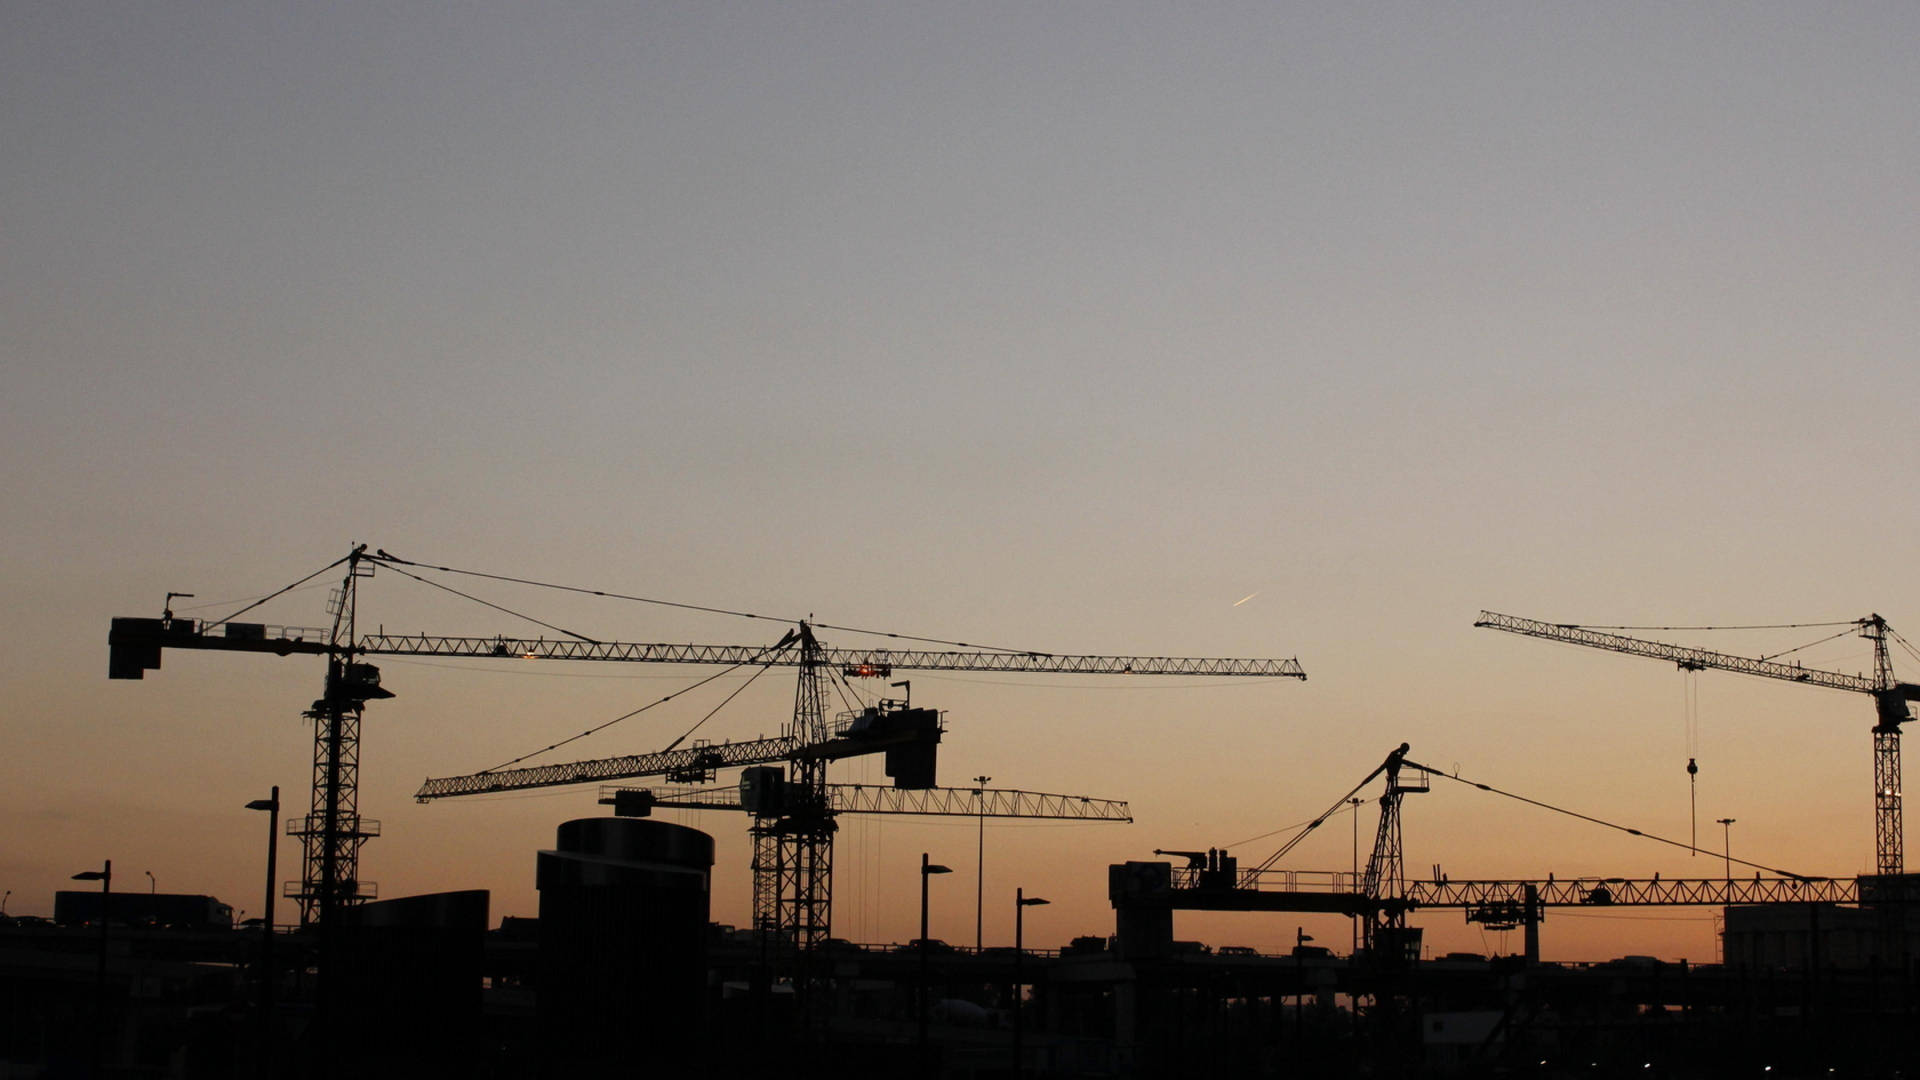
[(1246, 598)]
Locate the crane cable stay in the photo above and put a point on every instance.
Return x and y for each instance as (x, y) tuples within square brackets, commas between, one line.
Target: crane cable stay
[(396, 565), (683, 691), (841, 685), (1692, 849), (384, 558), (1617, 827), (1267, 863), (772, 652)]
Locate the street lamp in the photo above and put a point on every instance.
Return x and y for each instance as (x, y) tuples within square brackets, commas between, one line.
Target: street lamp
[(1021, 902), (271, 806), (1355, 886), (927, 870), (1726, 829), (980, 872), (152, 885), (104, 876)]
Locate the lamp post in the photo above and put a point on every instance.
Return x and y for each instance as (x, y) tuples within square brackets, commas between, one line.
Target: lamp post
[(104, 876), (1355, 803), (1021, 902), (271, 806), (980, 872), (927, 870), (1300, 939), (152, 885), (1726, 830)]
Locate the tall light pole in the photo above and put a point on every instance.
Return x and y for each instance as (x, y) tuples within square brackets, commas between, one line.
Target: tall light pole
[(1021, 902), (152, 885), (1355, 803), (104, 876), (980, 872), (271, 806), (1726, 830), (927, 870)]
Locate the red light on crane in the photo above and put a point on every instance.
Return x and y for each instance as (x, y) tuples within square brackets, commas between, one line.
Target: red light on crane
[(867, 671)]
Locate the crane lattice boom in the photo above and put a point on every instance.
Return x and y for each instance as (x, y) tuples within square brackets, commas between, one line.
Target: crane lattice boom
[(662, 763), (182, 633), (1689, 658), (922, 802)]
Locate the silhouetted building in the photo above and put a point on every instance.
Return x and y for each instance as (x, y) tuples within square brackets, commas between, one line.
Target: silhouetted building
[(623, 924), (77, 907), (1807, 936), (410, 977)]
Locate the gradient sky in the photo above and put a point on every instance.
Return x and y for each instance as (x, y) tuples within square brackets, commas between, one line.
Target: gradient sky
[(1058, 326)]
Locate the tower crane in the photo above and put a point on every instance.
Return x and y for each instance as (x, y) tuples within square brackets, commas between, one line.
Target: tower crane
[(793, 834), (333, 832), (1890, 700)]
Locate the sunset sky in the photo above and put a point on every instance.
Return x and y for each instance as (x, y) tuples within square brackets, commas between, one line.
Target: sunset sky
[(1056, 326)]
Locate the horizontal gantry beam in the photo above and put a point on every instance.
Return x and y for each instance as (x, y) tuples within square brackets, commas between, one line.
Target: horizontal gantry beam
[(1648, 892), (1572, 892)]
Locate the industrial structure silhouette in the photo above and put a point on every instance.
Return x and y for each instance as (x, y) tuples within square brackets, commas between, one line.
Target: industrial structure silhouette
[(624, 963)]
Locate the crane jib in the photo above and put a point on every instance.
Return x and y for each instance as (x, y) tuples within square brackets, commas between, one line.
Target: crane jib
[(135, 644)]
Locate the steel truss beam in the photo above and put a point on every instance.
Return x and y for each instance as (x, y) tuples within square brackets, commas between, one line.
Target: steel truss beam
[(927, 802), (288, 640)]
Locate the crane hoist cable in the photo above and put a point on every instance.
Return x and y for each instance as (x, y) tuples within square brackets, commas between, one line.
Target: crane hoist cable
[(1690, 690)]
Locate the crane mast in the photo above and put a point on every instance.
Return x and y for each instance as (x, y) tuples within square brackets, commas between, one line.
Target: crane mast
[(1890, 698)]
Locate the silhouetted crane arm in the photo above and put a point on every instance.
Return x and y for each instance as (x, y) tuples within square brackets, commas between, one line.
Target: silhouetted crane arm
[(922, 802), (663, 763), (139, 641), (1689, 658)]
